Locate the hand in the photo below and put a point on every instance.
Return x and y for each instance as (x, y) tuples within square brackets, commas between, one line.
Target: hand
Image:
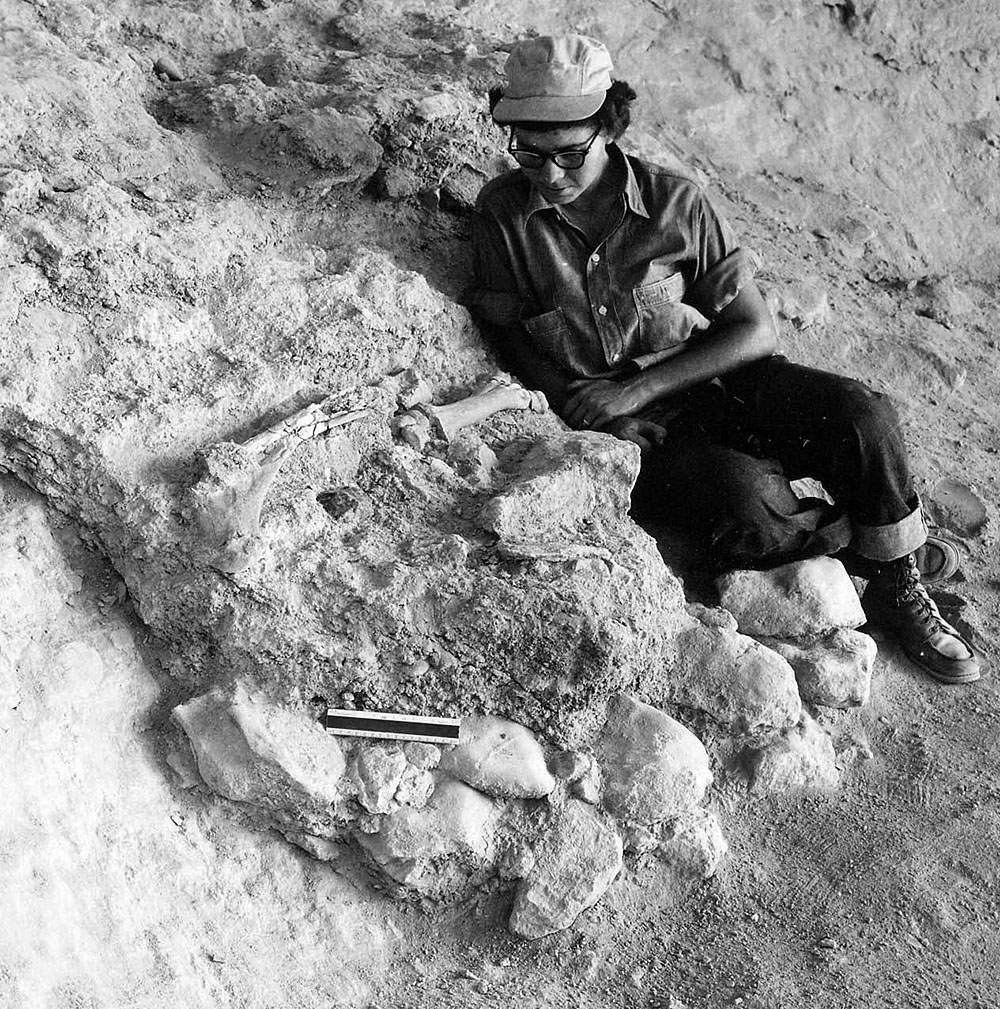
[(594, 402), (643, 433)]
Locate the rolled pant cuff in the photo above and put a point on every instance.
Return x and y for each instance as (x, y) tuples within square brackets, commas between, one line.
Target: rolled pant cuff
[(888, 542)]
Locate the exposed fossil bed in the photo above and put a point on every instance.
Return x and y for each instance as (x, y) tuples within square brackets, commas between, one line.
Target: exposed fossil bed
[(233, 248)]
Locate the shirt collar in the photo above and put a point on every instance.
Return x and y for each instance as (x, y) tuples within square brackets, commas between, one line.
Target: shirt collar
[(630, 189)]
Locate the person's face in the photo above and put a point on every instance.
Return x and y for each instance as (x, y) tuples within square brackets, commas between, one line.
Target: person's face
[(564, 185)]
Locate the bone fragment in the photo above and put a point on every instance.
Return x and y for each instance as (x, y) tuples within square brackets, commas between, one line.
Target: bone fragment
[(227, 500), (425, 421)]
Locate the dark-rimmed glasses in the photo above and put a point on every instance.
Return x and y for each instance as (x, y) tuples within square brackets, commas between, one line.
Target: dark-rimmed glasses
[(566, 159)]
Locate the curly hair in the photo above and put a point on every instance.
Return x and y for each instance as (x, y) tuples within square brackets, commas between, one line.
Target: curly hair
[(613, 116)]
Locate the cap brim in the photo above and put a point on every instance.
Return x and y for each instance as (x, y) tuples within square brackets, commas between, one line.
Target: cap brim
[(547, 108)]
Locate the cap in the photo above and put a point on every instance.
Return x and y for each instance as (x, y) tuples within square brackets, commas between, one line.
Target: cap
[(554, 79)]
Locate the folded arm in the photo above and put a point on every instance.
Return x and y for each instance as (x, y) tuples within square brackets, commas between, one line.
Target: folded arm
[(742, 332)]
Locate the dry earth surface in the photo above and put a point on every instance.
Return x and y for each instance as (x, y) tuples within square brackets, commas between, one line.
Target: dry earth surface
[(855, 145)]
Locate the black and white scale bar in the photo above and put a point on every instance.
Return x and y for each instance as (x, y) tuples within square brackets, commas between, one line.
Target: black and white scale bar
[(385, 725)]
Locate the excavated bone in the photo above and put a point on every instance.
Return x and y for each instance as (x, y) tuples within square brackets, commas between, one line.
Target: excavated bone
[(228, 498), (425, 421)]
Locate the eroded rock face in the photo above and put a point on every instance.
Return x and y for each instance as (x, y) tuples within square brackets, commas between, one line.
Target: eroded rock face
[(577, 860)]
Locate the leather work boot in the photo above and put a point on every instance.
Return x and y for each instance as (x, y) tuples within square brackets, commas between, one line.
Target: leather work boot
[(896, 601)]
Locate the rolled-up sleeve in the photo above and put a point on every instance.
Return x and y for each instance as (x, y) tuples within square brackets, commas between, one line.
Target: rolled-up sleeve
[(723, 267)]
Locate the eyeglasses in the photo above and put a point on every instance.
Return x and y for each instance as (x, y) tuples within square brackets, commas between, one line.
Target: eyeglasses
[(568, 159)]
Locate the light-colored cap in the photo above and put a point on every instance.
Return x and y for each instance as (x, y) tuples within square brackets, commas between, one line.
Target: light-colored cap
[(554, 79)]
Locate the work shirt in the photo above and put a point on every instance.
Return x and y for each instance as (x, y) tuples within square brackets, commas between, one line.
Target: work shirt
[(666, 265)]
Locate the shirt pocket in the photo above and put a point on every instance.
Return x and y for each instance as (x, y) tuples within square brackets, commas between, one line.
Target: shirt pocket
[(550, 333), (664, 321)]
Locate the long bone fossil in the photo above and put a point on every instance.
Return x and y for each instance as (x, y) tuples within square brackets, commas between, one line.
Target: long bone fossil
[(425, 422), (227, 499)]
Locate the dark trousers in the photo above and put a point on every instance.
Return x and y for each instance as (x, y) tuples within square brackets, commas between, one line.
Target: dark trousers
[(724, 469)]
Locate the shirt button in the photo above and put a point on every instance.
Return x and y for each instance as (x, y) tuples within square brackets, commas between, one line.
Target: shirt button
[(603, 310), (595, 259)]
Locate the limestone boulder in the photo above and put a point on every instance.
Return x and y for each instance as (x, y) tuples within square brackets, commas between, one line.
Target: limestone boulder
[(576, 860), (653, 767), (801, 757), (792, 601), (834, 671), (500, 758), (730, 676), (262, 753)]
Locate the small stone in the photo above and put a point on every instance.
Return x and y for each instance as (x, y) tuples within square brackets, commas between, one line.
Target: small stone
[(588, 788), (167, 67), (694, 846), (570, 765), (500, 758), (422, 755), (415, 787), (577, 859), (835, 671), (653, 767), (471, 459), (378, 772), (516, 862), (805, 304), (801, 757), (257, 752), (437, 106), (322, 848), (640, 840), (792, 601)]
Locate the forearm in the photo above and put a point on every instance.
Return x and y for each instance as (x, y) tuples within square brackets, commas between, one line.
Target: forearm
[(713, 355)]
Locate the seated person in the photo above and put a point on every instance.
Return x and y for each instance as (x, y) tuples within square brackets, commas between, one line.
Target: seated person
[(616, 288)]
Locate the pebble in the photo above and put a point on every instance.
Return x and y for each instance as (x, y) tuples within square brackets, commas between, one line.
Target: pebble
[(168, 68)]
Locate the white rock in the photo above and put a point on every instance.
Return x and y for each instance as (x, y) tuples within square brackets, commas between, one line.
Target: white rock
[(695, 845), (801, 757), (415, 787), (575, 862), (653, 767), (260, 753), (500, 758), (455, 819), (422, 755), (792, 601), (564, 486), (731, 677), (377, 772), (835, 671)]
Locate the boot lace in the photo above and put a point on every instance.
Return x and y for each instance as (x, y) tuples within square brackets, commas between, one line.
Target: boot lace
[(911, 594)]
